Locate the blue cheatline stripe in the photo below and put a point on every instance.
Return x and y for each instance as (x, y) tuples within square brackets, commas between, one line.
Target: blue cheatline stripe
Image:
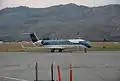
[(65, 42)]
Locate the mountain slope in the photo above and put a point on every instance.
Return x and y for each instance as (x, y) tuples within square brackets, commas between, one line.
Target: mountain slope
[(62, 21)]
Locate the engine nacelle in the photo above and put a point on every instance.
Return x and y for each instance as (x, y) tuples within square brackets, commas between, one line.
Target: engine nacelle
[(40, 42)]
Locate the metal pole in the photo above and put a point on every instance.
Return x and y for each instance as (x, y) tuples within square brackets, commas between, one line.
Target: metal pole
[(36, 71), (59, 76), (70, 72), (52, 75)]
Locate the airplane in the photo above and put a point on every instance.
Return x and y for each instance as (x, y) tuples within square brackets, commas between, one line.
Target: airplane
[(60, 45)]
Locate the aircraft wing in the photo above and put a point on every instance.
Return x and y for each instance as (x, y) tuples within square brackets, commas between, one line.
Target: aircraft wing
[(45, 46), (61, 46), (53, 46)]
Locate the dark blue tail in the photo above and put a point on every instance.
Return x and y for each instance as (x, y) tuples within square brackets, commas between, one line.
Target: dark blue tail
[(33, 37)]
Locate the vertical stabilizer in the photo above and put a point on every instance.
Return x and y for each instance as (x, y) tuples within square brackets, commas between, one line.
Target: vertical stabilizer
[(33, 37)]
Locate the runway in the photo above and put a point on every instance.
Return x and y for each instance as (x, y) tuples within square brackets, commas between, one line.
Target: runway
[(92, 66)]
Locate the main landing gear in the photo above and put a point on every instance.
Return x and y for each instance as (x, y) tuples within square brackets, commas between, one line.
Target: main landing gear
[(52, 50), (59, 50)]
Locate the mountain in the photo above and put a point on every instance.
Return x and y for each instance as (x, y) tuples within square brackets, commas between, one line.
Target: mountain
[(61, 21)]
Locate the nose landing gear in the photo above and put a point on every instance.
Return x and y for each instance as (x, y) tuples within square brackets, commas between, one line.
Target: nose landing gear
[(85, 50)]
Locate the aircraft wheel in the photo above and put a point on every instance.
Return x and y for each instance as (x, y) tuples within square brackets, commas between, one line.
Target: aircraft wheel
[(60, 50), (52, 50)]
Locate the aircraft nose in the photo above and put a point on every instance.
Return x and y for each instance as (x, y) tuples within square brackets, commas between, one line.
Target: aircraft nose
[(88, 45)]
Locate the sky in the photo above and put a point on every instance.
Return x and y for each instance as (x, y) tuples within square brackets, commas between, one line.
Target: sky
[(47, 3)]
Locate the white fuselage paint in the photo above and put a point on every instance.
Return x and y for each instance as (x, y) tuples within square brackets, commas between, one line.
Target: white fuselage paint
[(62, 46)]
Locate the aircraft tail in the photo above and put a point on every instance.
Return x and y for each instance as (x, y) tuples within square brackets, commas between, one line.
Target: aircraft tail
[(34, 37)]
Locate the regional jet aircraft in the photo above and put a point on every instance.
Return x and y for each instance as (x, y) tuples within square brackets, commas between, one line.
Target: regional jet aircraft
[(60, 45)]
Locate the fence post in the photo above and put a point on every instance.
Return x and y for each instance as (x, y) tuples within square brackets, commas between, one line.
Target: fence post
[(52, 71), (70, 72), (36, 71)]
